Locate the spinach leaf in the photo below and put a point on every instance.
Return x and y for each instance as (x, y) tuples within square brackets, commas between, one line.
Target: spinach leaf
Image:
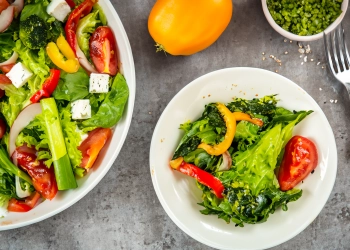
[(112, 107), (72, 87)]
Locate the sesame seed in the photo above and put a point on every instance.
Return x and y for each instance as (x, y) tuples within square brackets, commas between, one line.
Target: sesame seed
[(301, 56), (286, 52), (311, 59), (263, 58), (302, 63), (272, 56), (150, 113), (331, 100), (335, 101), (322, 67), (263, 53), (301, 51), (320, 89), (318, 63), (290, 41), (305, 59), (285, 40), (276, 71)]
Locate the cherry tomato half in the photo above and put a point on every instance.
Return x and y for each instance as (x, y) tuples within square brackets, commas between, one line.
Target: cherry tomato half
[(92, 145), (44, 180), (299, 160), (103, 50), (23, 206)]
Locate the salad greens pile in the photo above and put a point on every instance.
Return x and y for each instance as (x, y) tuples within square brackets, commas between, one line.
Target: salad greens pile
[(54, 135), (251, 191)]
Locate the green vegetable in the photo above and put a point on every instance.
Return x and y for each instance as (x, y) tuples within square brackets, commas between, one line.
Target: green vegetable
[(101, 14), (72, 87), (12, 104), (304, 17), (63, 169), (34, 32), (111, 109), (7, 165), (7, 41), (86, 26)]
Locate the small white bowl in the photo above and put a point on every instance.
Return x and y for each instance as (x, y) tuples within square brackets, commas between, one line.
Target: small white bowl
[(295, 37)]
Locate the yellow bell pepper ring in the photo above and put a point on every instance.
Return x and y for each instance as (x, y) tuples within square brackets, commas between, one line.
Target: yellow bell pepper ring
[(239, 116), (230, 122), (58, 51)]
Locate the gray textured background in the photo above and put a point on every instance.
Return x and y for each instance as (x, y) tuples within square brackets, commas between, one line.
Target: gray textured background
[(123, 211)]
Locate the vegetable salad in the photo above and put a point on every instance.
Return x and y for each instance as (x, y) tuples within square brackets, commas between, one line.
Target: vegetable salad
[(234, 152), (61, 94)]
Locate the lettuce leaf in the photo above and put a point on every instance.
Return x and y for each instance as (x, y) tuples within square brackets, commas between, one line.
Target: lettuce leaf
[(7, 41), (112, 107), (73, 86)]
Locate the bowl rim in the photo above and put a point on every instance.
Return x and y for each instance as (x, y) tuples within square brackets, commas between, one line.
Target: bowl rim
[(127, 122), (295, 37)]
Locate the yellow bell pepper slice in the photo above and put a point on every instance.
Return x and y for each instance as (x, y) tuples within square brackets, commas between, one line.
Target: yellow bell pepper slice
[(239, 116), (175, 164), (223, 146), (71, 65)]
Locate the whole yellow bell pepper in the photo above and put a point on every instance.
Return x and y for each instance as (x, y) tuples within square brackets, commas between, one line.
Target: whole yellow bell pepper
[(230, 122), (57, 51)]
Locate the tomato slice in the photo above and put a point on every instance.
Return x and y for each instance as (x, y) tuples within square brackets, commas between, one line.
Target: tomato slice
[(23, 206), (6, 68), (44, 180), (299, 160), (103, 50), (4, 79), (92, 145)]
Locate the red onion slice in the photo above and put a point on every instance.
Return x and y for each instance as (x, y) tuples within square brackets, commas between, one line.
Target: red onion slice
[(18, 4), (22, 120), (226, 162), (6, 18), (12, 59), (84, 62)]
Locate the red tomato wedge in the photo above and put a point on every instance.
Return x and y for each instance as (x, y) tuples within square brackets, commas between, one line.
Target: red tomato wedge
[(44, 180), (6, 68), (4, 80), (103, 50), (92, 145), (299, 160), (23, 206)]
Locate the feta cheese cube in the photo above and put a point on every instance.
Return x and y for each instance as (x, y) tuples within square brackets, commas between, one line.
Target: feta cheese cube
[(19, 75), (59, 9), (99, 83), (81, 109)]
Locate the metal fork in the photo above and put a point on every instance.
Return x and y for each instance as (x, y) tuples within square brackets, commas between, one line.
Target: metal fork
[(337, 55)]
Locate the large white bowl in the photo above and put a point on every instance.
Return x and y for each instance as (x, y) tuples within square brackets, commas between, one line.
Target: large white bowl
[(295, 37), (178, 193), (65, 199)]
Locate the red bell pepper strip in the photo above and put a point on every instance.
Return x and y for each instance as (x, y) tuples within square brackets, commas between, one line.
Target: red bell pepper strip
[(202, 177), (72, 23), (71, 3), (49, 86)]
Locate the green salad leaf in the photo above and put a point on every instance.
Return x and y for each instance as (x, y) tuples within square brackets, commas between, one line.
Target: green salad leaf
[(112, 107), (7, 41)]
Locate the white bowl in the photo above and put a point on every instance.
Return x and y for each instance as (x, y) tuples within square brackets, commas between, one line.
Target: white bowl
[(178, 193), (298, 38), (65, 199)]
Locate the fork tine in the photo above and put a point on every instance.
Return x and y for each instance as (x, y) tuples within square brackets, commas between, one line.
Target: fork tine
[(333, 50), (345, 47), (339, 46), (328, 56)]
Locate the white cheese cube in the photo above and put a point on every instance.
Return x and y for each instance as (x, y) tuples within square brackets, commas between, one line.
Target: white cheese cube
[(81, 109), (59, 9), (99, 83), (19, 75)]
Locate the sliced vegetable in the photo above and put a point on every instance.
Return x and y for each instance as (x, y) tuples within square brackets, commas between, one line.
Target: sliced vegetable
[(71, 63), (23, 206), (11, 61), (18, 4), (4, 81), (3, 5), (71, 3), (48, 87), (22, 120), (19, 191), (103, 50), (299, 160), (201, 176), (92, 146), (43, 177), (7, 68), (6, 18), (63, 169), (239, 116), (226, 162), (230, 133)]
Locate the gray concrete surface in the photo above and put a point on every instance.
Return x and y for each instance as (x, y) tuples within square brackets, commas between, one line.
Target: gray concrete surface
[(123, 211)]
